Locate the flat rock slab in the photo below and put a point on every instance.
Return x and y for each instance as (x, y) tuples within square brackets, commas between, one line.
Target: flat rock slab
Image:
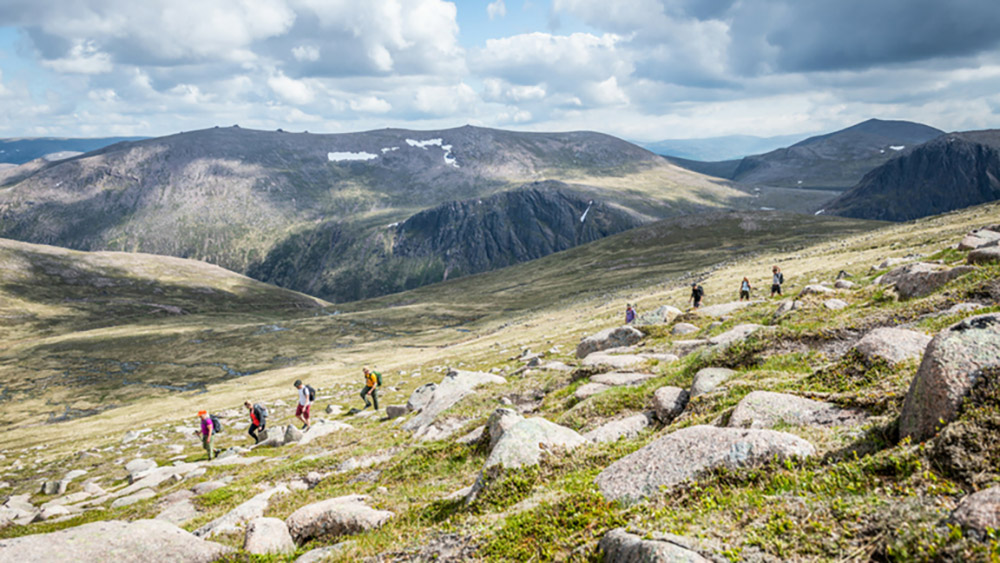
[(625, 361), (764, 409), (617, 378), (335, 517), (140, 541), (179, 513), (685, 347), (452, 389), (989, 255), (736, 334), (267, 535), (921, 278), (725, 309), (609, 338), (836, 304), (690, 452), (589, 390), (707, 379), (133, 498), (815, 289), (323, 428), (893, 345), (669, 403), (951, 365), (684, 328), (235, 518), (619, 546), (628, 427), (979, 511)]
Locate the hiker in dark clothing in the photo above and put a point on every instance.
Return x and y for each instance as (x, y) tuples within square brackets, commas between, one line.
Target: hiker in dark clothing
[(629, 314), (373, 380), (745, 289), (777, 278), (258, 420), (696, 294)]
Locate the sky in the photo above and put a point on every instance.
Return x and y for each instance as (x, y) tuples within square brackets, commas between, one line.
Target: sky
[(640, 69)]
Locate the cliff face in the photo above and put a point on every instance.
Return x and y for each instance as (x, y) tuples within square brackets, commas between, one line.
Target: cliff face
[(955, 171)]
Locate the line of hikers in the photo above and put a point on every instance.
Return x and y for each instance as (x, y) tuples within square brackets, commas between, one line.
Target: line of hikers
[(698, 293), (211, 425)]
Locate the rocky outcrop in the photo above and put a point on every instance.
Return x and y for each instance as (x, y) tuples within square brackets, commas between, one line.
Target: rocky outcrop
[(235, 518), (499, 422), (522, 444), (736, 334), (979, 512), (140, 541), (619, 546), (708, 379), (453, 388), (893, 345), (989, 255), (688, 453), (921, 278), (609, 338), (335, 517), (764, 409), (421, 396), (628, 427), (669, 403), (951, 366), (267, 535), (321, 428)]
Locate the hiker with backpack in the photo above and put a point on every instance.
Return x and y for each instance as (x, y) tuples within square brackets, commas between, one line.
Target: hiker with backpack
[(777, 278), (745, 289), (209, 424), (258, 420), (629, 314), (306, 397), (373, 380), (696, 295)]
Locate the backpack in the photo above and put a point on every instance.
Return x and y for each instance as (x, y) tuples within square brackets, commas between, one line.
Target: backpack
[(216, 424), (312, 393), (378, 378), (699, 292), (781, 277), (261, 411)]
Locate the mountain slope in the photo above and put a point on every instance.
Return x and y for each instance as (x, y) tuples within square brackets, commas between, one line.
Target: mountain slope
[(835, 160), (235, 197), (954, 171)]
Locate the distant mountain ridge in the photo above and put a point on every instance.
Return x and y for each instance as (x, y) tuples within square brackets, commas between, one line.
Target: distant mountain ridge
[(951, 172), (20, 151), (713, 149), (318, 213)]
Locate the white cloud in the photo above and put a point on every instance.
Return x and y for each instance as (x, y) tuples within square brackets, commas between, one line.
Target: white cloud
[(306, 53), (370, 104), (291, 90), (496, 9), (82, 58), (445, 100)]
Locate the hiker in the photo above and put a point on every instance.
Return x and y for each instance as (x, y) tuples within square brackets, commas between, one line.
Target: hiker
[(373, 380), (207, 434), (777, 278), (629, 314), (745, 289), (258, 420), (696, 294), (306, 396)]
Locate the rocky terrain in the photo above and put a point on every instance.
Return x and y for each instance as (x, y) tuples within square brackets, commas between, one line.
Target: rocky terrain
[(954, 171), (854, 418), (322, 213)]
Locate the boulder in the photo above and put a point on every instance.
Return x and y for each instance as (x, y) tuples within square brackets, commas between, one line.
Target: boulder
[(322, 428), (688, 453), (140, 541), (179, 513), (267, 535), (521, 444), (787, 306), (628, 427), (292, 434), (499, 422), (249, 510), (893, 345), (396, 411), (625, 361), (141, 494), (54, 487), (708, 379), (685, 347), (140, 465), (617, 378), (725, 309), (619, 546), (589, 390), (892, 263), (815, 289), (836, 304), (736, 334), (663, 314), (74, 474), (420, 397), (321, 554), (979, 512), (608, 338), (919, 279), (978, 239), (207, 487), (52, 512), (340, 516), (472, 437), (844, 284), (952, 364), (764, 409), (684, 328), (989, 255), (669, 403), (453, 388), (440, 429)]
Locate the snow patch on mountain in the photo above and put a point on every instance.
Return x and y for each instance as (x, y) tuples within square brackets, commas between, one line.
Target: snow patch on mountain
[(348, 156)]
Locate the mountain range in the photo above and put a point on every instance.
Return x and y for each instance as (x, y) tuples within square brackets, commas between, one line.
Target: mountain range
[(710, 149), (19, 151)]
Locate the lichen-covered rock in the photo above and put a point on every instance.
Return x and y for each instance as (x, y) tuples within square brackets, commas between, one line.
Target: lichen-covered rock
[(499, 422), (662, 314), (708, 379), (421, 396), (669, 403), (764, 409), (340, 516), (292, 434), (625, 361), (453, 388), (951, 365), (836, 304), (786, 306), (688, 453), (141, 494), (608, 338), (396, 411), (589, 390), (249, 510), (892, 344), (921, 278), (618, 378), (684, 328), (844, 284), (619, 546), (979, 512), (522, 444), (736, 334), (988, 255), (140, 541), (267, 535), (628, 427)]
